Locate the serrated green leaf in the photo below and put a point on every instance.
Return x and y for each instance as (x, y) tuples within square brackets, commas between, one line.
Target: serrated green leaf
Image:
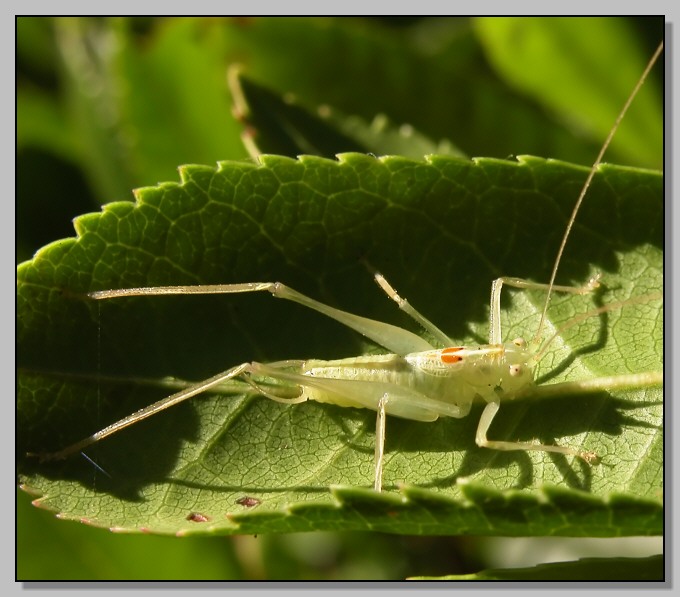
[(152, 94), (440, 231), (586, 569)]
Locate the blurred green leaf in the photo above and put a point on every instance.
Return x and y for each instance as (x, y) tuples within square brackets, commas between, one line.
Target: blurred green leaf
[(436, 76), (588, 569), (97, 556), (40, 123), (279, 125), (138, 109), (36, 45), (566, 65)]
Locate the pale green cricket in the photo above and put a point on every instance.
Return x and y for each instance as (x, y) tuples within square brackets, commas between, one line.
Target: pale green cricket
[(416, 380)]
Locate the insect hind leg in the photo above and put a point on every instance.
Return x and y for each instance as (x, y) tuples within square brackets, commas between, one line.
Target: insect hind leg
[(395, 339), (239, 371)]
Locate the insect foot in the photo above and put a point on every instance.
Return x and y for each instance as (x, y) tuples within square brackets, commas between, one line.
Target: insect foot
[(590, 457)]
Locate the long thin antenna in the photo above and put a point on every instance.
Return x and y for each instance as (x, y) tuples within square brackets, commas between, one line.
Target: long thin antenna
[(586, 186)]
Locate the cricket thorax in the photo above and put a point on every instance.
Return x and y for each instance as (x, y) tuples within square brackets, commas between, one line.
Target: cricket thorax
[(489, 371)]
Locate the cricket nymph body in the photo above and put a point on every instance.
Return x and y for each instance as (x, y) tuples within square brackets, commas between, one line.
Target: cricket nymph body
[(424, 385)]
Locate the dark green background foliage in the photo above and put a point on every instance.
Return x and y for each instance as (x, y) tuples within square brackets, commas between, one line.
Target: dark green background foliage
[(123, 102)]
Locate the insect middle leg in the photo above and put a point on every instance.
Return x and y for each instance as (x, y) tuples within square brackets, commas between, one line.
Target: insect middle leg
[(483, 442), (383, 397), (380, 441)]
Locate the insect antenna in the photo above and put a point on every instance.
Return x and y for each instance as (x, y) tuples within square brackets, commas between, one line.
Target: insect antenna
[(586, 186)]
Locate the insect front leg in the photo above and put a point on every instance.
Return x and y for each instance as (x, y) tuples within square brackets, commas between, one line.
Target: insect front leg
[(405, 306), (483, 442), (495, 336)]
